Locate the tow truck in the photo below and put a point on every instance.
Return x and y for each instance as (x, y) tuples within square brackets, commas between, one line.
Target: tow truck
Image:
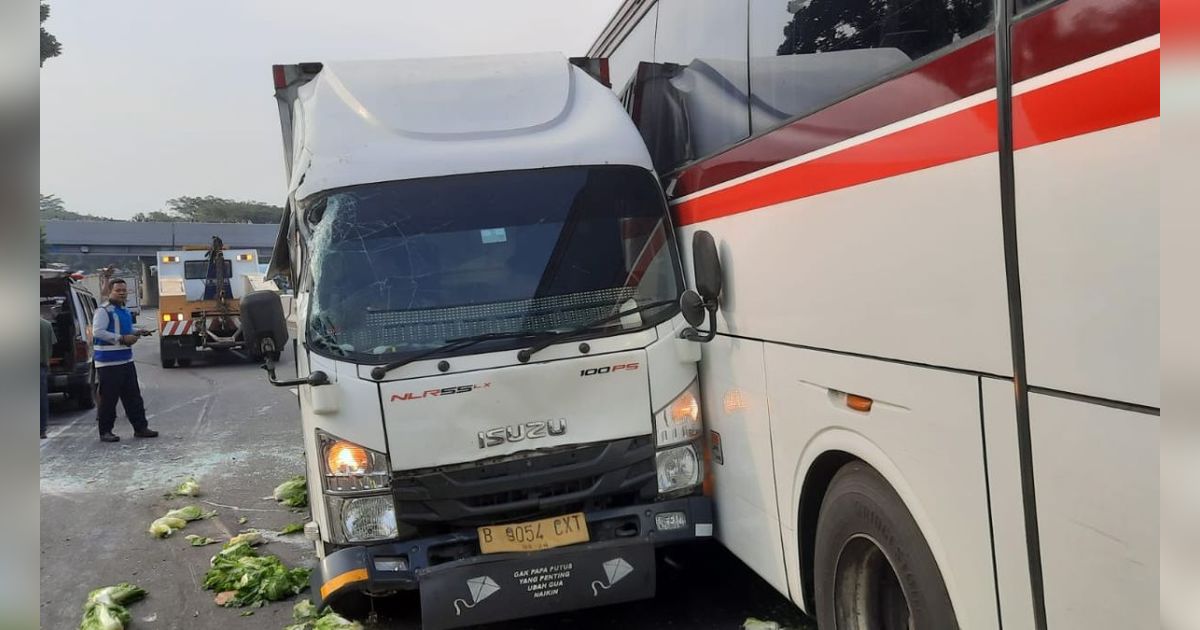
[(200, 290)]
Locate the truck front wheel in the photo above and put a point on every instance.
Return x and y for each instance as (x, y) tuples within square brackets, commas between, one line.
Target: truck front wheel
[(872, 566)]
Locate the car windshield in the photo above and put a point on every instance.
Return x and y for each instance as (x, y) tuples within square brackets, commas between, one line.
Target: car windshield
[(402, 267)]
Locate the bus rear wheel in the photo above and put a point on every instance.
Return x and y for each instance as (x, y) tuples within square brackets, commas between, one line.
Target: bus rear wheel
[(872, 567)]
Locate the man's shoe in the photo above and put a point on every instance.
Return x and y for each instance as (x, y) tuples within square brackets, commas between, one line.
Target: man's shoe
[(108, 437), (145, 433), (43, 435)]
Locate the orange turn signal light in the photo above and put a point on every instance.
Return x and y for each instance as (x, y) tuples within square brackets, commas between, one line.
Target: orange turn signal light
[(859, 403), (345, 458)]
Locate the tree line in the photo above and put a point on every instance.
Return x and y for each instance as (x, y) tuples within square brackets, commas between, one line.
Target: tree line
[(208, 209)]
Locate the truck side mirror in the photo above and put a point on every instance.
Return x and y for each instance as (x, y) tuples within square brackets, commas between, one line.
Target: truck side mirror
[(264, 326), (707, 266)]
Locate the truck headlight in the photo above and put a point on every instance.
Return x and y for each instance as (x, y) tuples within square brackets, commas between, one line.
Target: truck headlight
[(363, 519), (348, 467), (679, 421), (678, 468)]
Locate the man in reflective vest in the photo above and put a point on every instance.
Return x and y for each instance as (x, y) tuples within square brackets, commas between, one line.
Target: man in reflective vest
[(114, 335)]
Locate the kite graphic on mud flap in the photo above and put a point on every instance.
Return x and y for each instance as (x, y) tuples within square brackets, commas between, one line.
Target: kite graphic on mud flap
[(480, 588), (616, 569)]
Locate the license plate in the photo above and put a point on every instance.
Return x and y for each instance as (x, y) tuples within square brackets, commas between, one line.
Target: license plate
[(546, 533)]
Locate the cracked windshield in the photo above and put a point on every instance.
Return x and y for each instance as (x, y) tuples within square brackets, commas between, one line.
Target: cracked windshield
[(406, 266)]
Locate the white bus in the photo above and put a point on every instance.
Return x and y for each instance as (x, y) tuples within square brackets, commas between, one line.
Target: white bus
[(933, 399)]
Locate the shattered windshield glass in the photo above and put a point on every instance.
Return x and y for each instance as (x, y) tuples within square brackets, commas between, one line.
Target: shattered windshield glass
[(406, 266)]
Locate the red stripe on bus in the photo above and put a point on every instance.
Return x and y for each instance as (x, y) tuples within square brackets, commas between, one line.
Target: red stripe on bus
[(1123, 93), (972, 131), (1075, 106)]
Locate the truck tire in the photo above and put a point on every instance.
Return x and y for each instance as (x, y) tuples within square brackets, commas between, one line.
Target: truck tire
[(872, 566), (185, 362), (167, 349)]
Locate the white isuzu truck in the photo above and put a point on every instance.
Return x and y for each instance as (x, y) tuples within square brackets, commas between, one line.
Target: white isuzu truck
[(496, 354)]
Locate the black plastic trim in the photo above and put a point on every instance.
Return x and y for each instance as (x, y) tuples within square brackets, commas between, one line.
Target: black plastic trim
[(1095, 400), (987, 489), (1008, 215)]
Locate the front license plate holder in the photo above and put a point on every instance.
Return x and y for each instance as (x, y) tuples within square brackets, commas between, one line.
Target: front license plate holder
[(500, 587), (546, 533)]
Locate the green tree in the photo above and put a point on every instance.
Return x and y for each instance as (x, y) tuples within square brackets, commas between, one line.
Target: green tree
[(50, 45), (211, 209), (42, 254), (154, 215), (51, 208)]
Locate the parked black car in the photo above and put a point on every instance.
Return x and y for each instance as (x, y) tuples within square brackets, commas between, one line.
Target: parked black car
[(69, 307)]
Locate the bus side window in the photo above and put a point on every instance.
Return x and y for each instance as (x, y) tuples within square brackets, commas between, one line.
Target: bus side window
[(807, 54), (695, 94)]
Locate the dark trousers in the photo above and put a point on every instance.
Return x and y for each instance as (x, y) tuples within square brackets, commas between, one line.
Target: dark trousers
[(45, 397), (119, 382)]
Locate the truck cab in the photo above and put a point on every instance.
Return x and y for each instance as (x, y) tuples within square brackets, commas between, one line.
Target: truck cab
[(497, 380)]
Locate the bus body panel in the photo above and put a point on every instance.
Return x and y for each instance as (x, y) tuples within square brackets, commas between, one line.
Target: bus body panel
[(866, 271), (1097, 499), (1087, 224), (1009, 546), (735, 407), (923, 434), (864, 246)]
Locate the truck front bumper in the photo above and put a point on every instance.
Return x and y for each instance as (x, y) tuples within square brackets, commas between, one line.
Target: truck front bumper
[(617, 565)]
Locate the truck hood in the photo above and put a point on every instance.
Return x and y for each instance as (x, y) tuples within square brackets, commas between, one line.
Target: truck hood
[(459, 418)]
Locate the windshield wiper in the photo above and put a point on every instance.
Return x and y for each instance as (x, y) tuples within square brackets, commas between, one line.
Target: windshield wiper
[(451, 345), (551, 338)]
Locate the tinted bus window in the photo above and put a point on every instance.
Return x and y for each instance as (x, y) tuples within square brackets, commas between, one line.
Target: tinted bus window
[(638, 46), (695, 94), (806, 54)]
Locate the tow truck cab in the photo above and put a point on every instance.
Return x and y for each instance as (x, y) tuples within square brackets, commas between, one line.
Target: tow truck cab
[(496, 370)]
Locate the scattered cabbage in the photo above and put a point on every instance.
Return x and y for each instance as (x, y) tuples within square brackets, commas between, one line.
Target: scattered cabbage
[(251, 538), (199, 541), (254, 579), (105, 607), (307, 618), (167, 525), (189, 513), (291, 528), (293, 492), (189, 488)]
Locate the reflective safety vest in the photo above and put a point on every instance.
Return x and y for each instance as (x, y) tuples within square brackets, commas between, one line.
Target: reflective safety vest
[(108, 352)]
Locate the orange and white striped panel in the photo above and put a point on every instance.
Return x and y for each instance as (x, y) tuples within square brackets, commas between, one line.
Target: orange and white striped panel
[(184, 327)]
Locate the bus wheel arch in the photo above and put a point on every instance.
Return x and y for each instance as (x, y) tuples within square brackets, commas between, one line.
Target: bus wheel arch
[(836, 480)]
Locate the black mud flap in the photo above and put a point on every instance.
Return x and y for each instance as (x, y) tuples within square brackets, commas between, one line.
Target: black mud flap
[(524, 585)]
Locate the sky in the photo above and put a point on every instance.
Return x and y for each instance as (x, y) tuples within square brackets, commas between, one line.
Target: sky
[(156, 99)]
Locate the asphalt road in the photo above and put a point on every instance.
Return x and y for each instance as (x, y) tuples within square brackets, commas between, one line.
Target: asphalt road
[(239, 437)]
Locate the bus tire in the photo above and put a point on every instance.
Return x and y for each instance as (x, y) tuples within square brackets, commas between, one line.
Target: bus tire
[(872, 566)]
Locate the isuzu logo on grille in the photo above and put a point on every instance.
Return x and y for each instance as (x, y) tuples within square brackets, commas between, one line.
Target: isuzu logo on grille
[(519, 432)]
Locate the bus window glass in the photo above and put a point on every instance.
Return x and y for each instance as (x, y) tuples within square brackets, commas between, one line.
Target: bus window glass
[(806, 54), (638, 46), (694, 96)]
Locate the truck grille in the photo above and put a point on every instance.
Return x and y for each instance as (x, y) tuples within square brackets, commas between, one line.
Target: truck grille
[(593, 476)]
